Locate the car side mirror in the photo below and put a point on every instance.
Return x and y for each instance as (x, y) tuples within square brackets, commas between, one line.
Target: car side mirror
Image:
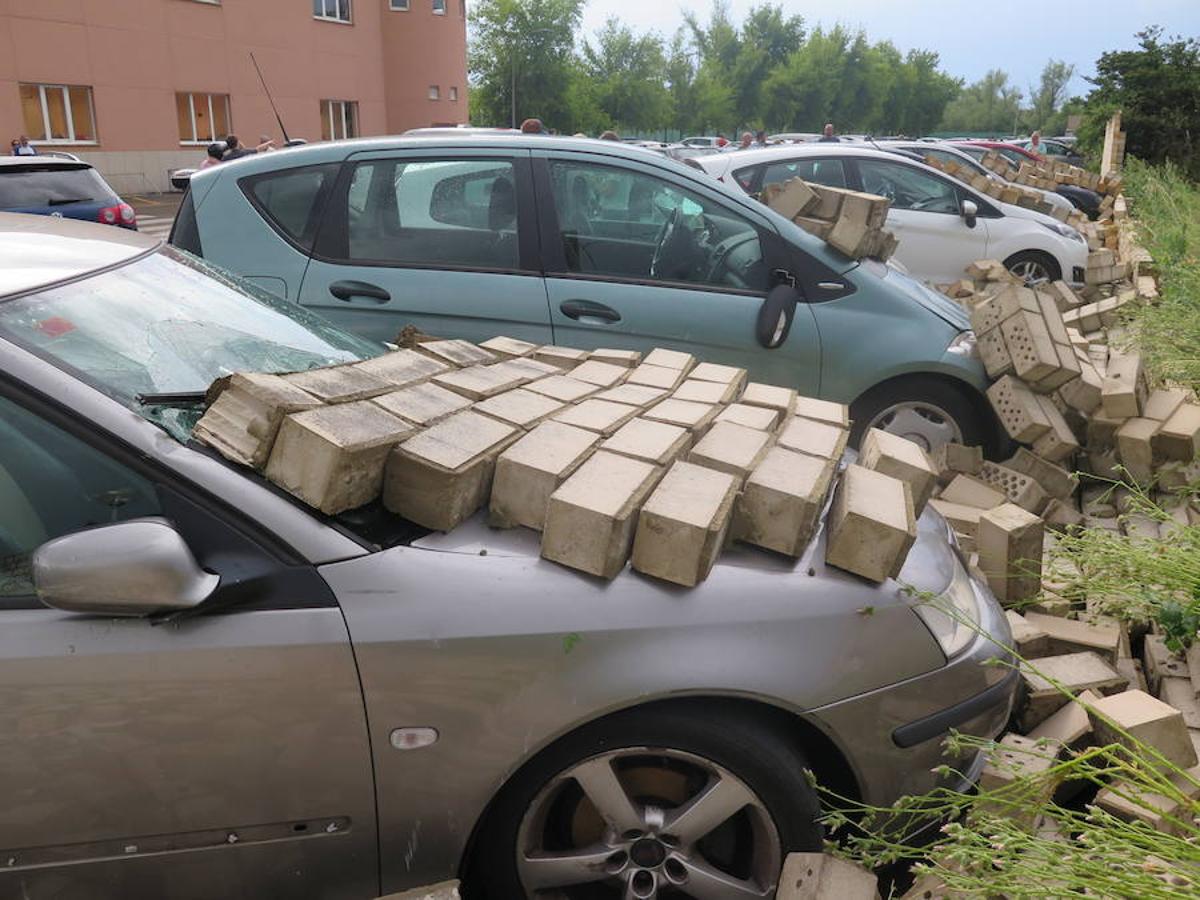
[(131, 568), (970, 212), (775, 315)]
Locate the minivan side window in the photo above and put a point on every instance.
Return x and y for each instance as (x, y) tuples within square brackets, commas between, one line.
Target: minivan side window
[(908, 187), (829, 172), (292, 200), (457, 213)]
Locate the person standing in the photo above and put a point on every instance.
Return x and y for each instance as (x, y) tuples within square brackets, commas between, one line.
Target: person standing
[(722, 141), (828, 136), (1035, 143), (760, 138), (747, 140), (235, 150), (22, 147), (533, 126), (214, 154)]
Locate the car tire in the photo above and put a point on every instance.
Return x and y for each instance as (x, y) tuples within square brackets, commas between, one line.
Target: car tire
[(929, 411), (1034, 267), (661, 753)]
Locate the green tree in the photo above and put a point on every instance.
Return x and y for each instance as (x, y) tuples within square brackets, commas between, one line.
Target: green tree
[(991, 105), (681, 83), (529, 43), (1047, 98), (920, 94), (766, 40), (626, 75)]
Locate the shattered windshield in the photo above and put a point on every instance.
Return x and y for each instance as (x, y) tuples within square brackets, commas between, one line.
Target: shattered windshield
[(170, 323)]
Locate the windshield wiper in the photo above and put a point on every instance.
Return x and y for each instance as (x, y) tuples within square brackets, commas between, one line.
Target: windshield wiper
[(179, 398), (65, 201)]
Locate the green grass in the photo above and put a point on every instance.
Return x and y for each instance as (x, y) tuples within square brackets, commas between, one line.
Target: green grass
[(1166, 207)]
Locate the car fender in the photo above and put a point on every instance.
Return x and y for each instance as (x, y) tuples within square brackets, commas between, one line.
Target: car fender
[(1014, 234)]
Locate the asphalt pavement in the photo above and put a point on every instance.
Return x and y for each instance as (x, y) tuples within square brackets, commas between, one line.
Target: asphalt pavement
[(155, 212)]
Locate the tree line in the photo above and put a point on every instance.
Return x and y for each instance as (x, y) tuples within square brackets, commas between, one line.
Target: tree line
[(768, 71)]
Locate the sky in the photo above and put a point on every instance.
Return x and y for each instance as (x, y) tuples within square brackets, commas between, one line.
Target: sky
[(972, 36)]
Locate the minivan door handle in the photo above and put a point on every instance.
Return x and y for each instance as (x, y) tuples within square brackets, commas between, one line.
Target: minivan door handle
[(589, 309), (348, 290)]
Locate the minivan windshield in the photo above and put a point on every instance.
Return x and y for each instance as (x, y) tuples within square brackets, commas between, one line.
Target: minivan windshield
[(170, 323), (52, 185)]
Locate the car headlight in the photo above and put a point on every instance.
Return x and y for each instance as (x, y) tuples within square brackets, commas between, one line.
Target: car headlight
[(1065, 231), (953, 615), (963, 344)]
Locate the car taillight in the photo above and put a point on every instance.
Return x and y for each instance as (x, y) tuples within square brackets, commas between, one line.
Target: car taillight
[(110, 215), (122, 214), (128, 216)]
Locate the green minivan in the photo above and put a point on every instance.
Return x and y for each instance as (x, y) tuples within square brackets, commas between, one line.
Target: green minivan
[(588, 244)]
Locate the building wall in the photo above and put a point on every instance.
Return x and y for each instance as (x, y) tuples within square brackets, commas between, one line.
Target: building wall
[(136, 54)]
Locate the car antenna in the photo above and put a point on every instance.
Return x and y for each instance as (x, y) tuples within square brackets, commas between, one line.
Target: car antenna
[(270, 99)]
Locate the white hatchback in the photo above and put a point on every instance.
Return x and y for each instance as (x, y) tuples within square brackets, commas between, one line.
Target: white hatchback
[(942, 224)]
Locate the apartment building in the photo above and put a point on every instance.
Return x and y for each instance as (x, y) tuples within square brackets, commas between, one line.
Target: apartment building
[(141, 87)]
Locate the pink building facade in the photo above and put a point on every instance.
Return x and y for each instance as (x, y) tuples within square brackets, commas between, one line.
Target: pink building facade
[(140, 87)]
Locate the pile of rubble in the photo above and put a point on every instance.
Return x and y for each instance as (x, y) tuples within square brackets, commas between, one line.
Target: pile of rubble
[(610, 456), (849, 221)]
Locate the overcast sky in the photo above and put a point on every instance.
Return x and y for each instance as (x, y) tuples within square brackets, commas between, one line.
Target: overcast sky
[(972, 36)]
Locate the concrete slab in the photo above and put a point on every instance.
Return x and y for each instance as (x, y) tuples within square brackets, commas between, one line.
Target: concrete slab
[(479, 382), (532, 469), (731, 448), (422, 404), (242, 423), (456, 353), (653, 442), (600, 374), (871, 524), (401, 368), (338, 384), (901, 458), (697, 391), (695, 417), (814, 438), (562, 387), (657, 376), (670, 359), (519, 407), (782, 501), (508, 348), (597, 415), (770, 396), (632, 395), (759, 417), (627, 358), (823, 411)]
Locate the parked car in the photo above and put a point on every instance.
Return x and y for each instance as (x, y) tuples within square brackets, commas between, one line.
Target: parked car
[(1055, 150), (209, 686), (589, 244), (943, 225), (1085, 200), (63, 188), (946, 153), (700, 141)]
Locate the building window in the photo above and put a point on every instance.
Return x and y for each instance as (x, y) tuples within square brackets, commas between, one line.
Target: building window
[(435, 92), (203, 118), (339, 119), (454, 94), (399, 5), (439, 7), (334, 10), (58, 113)]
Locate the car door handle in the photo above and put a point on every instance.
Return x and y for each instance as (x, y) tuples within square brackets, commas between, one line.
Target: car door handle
[(581, 309), (347, 290)]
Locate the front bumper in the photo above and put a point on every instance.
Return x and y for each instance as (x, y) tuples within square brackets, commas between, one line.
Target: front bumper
[(893, 735)]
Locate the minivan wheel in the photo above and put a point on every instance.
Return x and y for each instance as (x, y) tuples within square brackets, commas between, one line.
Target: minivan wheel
[(652, 803), (1034, 267), (926, 411)]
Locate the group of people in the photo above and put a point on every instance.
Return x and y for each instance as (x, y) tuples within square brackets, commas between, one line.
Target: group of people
[(232, 148), (21, 147), (759, 139)]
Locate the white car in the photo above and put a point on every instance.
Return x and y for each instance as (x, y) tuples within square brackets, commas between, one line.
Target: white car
[(942, 224)]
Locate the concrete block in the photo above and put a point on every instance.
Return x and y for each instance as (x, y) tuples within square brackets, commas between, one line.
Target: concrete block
[(871, 524), (1085, 392), (338, 384), (1136, 449), (527, 368), (963, 519), (969, 491), (241, 424), (632, 395), (1124, 386), (1057, 444), (729, 375), (1132, 670), (653, 442), (1073, 636), (656, 376), (670, 359), (1055, 480), (422, 404), (1102, 432), (731, 448), (1029, 641), (759, 417), (1179, 436), (333, 457), (456, 353), (695, 417), (562, 387), (1010, 552), (952, 459), (1018, 409), (771, 396), (1075, 672), (1146, 719), (591, 518), (1168, 814), (532, 469), (794, 198), (519, 407), (1052, 316), (565, 358), (1181, 694), (823, 411), (816, 876), (1164, 403), (1006, 302), (1020, 489), (683, 523), (597, 415), (1016, 758), (401, 368), (1060, 515), (994, 353), (901, 458), (782, 501), (704, 391), (601, 374), (1030, 346), (627, 358), (480, 382), (508, 348), (1070, 726), (440, 477), (814, 438)]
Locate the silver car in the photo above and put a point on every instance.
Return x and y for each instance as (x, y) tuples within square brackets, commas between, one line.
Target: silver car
[(207, 690)]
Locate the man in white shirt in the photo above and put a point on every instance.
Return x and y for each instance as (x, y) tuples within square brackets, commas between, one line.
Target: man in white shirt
[(24, 148)]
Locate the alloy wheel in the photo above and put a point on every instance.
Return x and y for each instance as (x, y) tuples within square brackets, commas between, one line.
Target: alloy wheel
[(924, 424), (1031, 272), (644, 823)]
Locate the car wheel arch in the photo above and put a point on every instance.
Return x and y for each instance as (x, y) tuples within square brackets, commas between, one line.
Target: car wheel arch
[(971, 394)]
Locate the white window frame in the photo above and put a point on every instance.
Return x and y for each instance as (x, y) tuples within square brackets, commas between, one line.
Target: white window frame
[(204, 142), (399, 5), (66, 94), (439, 11), (435, 93), (453, 93), (326, 17), (341, 106)]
